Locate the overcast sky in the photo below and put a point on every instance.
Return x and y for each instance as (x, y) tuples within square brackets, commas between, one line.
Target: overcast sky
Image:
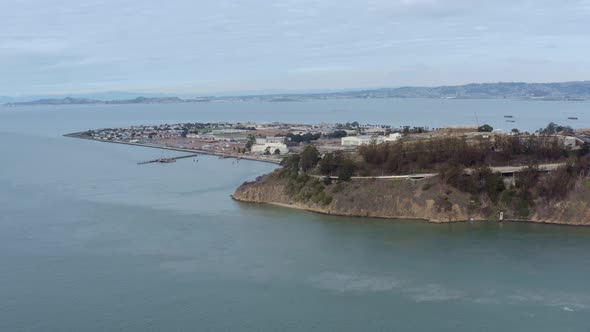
[(199, 47)]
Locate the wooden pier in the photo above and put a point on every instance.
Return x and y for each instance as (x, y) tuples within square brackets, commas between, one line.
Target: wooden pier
[(167, 160)]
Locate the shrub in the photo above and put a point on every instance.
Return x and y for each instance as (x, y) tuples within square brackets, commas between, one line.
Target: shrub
[(522, 209)]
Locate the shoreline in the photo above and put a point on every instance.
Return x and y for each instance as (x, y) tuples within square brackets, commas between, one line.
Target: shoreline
[(396, 218), (195, 151)]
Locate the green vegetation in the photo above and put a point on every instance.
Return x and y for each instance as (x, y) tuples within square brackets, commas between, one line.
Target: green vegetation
[(305, 189), (337, 134), (349, 125), (309, 158), (529, 185), (434, 154), (250, 142), (485, 128), (553, 128), (307, 137), (346, 169), (465, 179), (426, 186), (481, 180)]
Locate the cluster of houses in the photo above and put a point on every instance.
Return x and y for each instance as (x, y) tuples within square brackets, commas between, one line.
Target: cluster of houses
[(236, 134), (135, 133)]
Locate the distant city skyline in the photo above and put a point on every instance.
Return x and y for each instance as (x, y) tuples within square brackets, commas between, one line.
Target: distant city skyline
[(184, 47)]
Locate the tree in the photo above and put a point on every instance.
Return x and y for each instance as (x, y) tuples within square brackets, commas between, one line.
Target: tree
[(307, 137), (485, 128), (309, 158), (585, 149), (337, 134), (250, 142), (346, 170), (329, 163), (291, 162), (565, 130), (550, 129), (528, 177)]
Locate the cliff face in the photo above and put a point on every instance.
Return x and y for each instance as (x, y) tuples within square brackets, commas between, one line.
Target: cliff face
[(575, 210), (366, 198), (404, 199)]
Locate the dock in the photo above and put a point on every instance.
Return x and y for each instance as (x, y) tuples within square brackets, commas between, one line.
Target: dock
[(166, 160)]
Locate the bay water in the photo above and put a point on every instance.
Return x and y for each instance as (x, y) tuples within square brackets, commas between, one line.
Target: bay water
[(90, 241)]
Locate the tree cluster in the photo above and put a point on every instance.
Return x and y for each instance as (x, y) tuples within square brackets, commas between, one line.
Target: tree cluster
[(337, 164), (396, 157), (553, 128), (307, 137)]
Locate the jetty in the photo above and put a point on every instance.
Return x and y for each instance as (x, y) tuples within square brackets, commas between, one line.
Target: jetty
[(166, 160)]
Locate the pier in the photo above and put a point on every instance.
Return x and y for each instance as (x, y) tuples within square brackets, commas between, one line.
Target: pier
[(166, 160)]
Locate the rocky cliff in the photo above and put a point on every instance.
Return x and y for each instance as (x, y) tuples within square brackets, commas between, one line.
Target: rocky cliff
[(427, 199)]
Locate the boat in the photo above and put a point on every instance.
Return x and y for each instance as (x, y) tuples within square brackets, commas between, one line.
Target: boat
[(572, 118), (508, 116), (510, 120)]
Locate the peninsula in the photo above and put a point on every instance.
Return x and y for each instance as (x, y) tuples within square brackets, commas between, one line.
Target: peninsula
[(446, 175), (437, 174)]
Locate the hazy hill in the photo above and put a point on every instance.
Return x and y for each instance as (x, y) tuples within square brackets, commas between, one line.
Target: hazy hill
[(533, 91)]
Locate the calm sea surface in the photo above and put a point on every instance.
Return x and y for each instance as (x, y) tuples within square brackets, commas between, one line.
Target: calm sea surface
[(90, 241)]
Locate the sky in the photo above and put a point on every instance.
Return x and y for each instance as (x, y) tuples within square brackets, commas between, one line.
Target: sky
[(199, 47)]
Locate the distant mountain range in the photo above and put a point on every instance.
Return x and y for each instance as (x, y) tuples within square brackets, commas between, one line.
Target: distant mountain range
[(543, 91), (529, 91), (85, 101)]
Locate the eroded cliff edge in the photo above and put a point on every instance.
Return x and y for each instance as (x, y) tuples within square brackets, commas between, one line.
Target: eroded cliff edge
[(427, 199)]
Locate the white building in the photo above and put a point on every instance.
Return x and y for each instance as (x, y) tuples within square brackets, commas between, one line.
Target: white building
[(355, 140), (272, 147), (567, 141), (270, 144), (270, 139), (392, 137)]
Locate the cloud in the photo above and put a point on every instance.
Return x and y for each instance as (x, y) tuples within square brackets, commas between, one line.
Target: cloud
[(294, 43), (33, 46)]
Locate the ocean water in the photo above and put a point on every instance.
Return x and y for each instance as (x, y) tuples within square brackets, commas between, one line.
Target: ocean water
[(90, 241)]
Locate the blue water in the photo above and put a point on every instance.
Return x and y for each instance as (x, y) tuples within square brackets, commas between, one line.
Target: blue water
[(90, 241)]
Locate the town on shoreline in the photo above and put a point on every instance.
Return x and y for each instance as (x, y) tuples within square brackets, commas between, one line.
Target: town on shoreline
[(271, 142)]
